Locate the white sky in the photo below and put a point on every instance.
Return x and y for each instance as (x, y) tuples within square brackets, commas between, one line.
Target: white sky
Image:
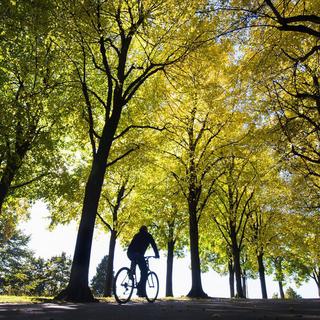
[(46, 244)]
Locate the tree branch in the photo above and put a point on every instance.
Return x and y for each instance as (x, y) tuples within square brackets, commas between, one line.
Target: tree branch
[(30, 181), (122, 156), (284, 22), (137, 127), (294, 151), (104, 222)]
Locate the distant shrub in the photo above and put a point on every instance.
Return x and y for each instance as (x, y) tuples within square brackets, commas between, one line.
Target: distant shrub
[(291, 294)]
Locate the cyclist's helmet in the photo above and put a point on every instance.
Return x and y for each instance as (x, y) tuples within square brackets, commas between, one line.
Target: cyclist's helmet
[(143, 229)]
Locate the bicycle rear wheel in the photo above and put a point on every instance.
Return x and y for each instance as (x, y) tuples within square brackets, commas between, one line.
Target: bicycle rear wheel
[(123, 285), (152, 286)]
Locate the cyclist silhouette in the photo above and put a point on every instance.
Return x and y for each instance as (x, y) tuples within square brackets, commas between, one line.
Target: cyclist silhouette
[(136, 251)]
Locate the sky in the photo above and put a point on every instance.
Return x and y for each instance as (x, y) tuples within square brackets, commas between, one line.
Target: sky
[(47, 243)]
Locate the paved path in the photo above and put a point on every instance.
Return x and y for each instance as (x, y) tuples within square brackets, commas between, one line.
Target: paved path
[(164, 310)]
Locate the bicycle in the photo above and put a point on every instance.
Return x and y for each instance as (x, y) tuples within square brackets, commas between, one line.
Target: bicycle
[(125, 282)]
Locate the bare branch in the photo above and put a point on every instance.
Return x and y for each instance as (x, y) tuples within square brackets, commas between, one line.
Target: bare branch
[(285, 22), (244, 213), (104, 222), (137, 127), (135, 84), (297, 153), (177, 178), (30, 181), (176, 157), (122, 156), (221, 227)]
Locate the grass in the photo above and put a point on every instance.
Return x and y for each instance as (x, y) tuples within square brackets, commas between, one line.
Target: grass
[(34, 299), (23, 299)]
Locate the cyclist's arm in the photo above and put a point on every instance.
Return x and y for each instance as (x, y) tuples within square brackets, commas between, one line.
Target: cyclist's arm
[(154, 247)]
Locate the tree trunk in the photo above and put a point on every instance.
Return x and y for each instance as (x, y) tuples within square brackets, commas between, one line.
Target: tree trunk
[(8, 175), (78, 289), (237, 271), (231, 278), (3, 194), (14, 161), (244, 284), (279, 274), (170, 246), (237, 266), (316, 277), (262, 276), (281, 289), (196, 285), (109, 271)]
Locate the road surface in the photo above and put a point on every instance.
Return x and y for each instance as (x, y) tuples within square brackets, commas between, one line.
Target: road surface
[(228, 309)]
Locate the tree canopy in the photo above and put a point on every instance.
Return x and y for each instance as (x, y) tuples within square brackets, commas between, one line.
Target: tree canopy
[(197, 118)]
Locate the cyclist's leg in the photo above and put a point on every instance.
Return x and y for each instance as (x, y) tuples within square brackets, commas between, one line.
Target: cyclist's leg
[(144, 274), (132, 257)]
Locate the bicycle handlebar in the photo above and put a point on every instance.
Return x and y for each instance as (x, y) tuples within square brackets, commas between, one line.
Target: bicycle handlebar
[(149, 257)]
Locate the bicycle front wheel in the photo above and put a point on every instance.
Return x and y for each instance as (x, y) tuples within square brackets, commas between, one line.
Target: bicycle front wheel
[(152, 286), (123, 285)]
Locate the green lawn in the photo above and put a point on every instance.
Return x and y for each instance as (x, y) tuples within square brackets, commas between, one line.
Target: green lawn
[(33, 299), (22, 299)]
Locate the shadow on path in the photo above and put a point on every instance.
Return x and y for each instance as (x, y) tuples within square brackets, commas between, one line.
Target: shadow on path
[(167, 309)]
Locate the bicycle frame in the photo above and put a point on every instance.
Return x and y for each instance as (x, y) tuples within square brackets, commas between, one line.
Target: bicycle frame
[(129, 275), (133, 268)]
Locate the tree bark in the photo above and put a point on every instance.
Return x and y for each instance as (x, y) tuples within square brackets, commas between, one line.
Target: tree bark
[(231, 278), (4, 187), (170, 248), (196, 284), (109, 271), (262, 276), (244, 284), (281, 289), (237, 271), (9, 172), (279, 274), (237, 266), (316, 277), (78, 288)]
